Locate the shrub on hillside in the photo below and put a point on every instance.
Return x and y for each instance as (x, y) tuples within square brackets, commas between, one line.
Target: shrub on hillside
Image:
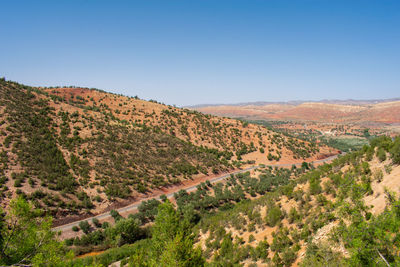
[(381, 154), (85, 226), (274, 215), (395, 151), (115, 214)]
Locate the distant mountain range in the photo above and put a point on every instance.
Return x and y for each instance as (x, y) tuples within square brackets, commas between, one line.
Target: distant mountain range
[(380, 111), (299, 102)]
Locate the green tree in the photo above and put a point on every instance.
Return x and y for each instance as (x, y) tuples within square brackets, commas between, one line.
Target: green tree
[(322, 255), (381, 154), (172, 242), (85, 226), (26, 237), (366, 133), (304, 165), (371, 242), (125, 231), (166, 226), (315, 186), (115, 214), (288, 256), (395, 151), (293, 215), (274, 215), (96, 222), (179, 252)]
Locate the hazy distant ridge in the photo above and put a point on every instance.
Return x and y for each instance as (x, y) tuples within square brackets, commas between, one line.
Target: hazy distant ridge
[(299, 102)]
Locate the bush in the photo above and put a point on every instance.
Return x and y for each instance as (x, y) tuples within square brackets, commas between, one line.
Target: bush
[(69, 241), (105, 225), (163, 198), (115, 214), (315, 187), (98, 198), (125, 231), (75, 228), (381, 154), (388, 169), (378, 175), (251, 238), (293, 215), (321, 255), (85, 226), (288, 257), (274, 215), (96, 222), (395, 151)]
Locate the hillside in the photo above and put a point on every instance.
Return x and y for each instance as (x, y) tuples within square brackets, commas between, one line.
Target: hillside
[(345, 213), (359, 112), (316, 219), (79, 150)]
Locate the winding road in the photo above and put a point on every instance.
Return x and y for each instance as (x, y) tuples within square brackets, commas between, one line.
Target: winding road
[(134, 206)]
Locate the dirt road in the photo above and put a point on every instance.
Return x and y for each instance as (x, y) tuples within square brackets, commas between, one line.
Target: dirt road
[(135, 205)]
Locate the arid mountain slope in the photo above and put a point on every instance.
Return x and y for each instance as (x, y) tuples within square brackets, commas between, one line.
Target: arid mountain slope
[(316, 219), (363, 113), (74, 150)]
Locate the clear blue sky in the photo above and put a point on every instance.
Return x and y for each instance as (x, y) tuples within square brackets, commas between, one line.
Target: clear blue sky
[(206, 51)]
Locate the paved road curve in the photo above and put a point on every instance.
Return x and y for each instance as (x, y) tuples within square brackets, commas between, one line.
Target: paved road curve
[(133, 207)]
